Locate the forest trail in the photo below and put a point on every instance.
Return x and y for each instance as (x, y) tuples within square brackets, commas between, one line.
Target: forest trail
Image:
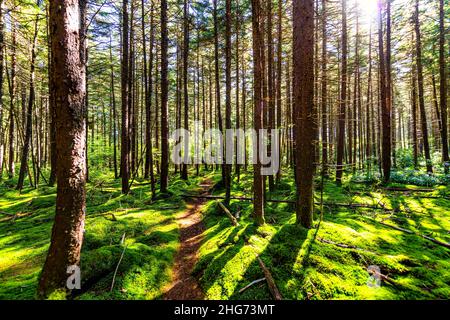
[(184, 286)]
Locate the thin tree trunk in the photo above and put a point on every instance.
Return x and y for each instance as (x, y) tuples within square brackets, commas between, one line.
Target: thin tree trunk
[(125, 139), (423, 116), (29, 123), (258, 112), (343, 97), (164, 100)]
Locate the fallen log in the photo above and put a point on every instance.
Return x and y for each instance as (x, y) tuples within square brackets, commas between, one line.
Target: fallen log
[(270, 282), (228, 213), (252, 284)]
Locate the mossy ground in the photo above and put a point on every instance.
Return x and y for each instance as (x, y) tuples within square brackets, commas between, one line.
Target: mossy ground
[(304, 267), (151, 239)]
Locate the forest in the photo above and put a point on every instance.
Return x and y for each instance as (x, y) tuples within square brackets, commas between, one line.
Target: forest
[(224, 150)]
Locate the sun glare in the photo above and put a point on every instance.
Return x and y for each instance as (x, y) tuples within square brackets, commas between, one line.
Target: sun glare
[(368, 8)]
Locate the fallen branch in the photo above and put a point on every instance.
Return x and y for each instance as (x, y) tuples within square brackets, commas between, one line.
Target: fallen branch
[(443, 244), (252, 284), (398, 189), (340, 245), (118, 264), (228, 213), (270, 282)]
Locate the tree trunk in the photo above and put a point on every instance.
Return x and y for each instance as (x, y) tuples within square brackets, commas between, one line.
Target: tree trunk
[(443, 86), (228, 95), (68, 72), (164, 100), (324, 93), (29, 122), (303, 23), (423, 116), (258, 112), (125, 139), (343, 97), (12, 95), (184, 167)]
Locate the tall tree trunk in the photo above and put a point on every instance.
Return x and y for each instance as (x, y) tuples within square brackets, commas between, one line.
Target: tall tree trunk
[(2, 62), (303, 23), (443, 87), (423, 116), (217, 78), (324, 93), (385, 111), (279, 74), (228, 94), (343, 97), (29, 115), (164, 100), (68, 72), (12, 95), (258, 112), (114, 111), (184, 168), (125, 139)]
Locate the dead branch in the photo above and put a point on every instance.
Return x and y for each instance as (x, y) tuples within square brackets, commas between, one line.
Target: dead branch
[(228, 213), (252, 284), (270, 282)]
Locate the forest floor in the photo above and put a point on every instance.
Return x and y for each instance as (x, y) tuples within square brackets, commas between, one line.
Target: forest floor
[(366, 229), (184, 286)]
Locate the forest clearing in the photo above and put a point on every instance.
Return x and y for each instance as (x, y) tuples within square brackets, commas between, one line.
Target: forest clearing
[(224, 150)]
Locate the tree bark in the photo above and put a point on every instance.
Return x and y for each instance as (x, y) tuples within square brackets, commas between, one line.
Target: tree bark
[(343, 97), (303, 23), (29, 123), (164, 100), (68, 72), (443, 86), (258, 112), (423, 115), (125, 139)]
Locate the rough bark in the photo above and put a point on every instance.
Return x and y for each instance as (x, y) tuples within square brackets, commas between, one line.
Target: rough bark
[(443, 85), (258, 184), (343, 97), (68, 71), (28, 131), (125, 139), (423, 115), (164, 100)]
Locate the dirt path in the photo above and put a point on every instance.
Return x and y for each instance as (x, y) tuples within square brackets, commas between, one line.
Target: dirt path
[(184, 286)]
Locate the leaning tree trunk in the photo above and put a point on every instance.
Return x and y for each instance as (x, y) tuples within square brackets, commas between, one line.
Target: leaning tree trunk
[(69, 73)]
